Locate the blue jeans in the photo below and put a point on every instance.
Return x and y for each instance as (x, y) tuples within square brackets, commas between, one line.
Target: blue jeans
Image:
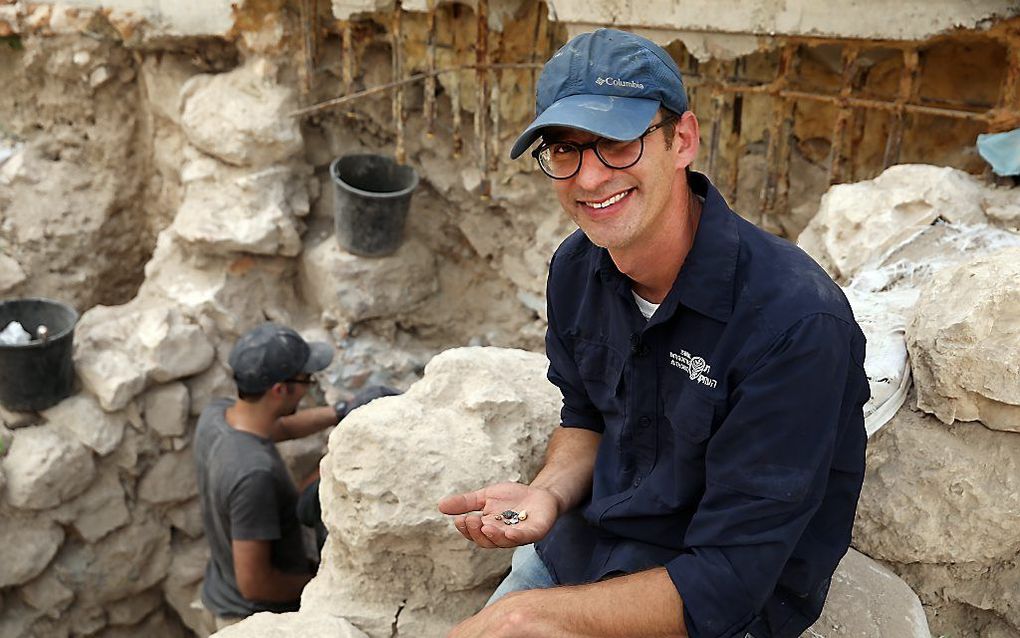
[(527, 571)]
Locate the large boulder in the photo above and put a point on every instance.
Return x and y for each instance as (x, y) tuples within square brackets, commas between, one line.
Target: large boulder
[(227, 210), (82, 417), (940, 494), (100, 509), (390, 553), (45, 468), (356, 288), (267, 625), (241, 117), (170, 480), (861, 221), (26, 548), (166, 409), (866, 600), (963, 342), (120, 350)]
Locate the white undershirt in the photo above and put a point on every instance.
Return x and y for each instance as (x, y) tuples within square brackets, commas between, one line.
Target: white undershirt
[(646, 307)]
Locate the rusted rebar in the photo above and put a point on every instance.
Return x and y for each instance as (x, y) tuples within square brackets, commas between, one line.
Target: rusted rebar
[(430, 61), (347, 61), (773, 153), (907, 92), (398, 74), (1007, 116), (482, 91), (309, 35), (717, 101), (838, 149), (736, 146)]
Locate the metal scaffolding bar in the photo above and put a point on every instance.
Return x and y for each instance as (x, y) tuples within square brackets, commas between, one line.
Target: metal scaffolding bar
[(774, 168), (347, 63), (907, 93)]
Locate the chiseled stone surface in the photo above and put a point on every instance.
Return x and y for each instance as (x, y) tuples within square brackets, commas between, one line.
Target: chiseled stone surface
[(963, 342), (100, 509), (241, 117), (358, 288), (389, 547), (45, 467), (861, 221), (26, 548), (119, 350), (85, 419), (166, 409), (940, 494), (866, 600), (170, 480), (47, 594), (267, 625)]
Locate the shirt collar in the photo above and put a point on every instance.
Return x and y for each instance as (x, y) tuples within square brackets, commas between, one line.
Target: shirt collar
[(706, 279)]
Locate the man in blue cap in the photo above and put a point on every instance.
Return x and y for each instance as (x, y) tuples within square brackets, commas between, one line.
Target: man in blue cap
[(706, 474)]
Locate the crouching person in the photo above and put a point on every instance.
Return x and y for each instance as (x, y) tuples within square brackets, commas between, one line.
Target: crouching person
[(258, 560)]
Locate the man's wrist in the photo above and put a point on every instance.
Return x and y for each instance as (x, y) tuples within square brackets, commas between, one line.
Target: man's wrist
[(340, 409)]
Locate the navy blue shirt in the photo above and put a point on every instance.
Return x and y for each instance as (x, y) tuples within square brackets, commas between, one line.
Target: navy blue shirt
[(732, 429)]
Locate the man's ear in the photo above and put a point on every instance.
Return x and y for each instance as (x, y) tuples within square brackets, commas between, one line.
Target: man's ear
[(280, 389), (687, 139)]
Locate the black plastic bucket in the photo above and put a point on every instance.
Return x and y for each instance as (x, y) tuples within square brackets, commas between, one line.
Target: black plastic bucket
[(38, 374), (372, 195)]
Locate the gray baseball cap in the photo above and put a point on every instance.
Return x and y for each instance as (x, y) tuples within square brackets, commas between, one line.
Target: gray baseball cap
[(271, 353)]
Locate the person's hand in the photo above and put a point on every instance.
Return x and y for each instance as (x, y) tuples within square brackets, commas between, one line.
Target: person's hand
[(475, 514), (517, 615)]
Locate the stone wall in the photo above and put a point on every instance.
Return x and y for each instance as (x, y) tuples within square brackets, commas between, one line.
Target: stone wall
[(151, 174)]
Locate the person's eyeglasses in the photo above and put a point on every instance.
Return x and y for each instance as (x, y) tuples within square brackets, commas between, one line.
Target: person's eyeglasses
[(305, 381), (562, 160)]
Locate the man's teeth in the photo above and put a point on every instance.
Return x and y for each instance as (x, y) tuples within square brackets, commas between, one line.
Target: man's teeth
[(609, 202)]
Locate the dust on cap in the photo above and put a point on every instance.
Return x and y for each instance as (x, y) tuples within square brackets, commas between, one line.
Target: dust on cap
[(607, 82), (271, 353)]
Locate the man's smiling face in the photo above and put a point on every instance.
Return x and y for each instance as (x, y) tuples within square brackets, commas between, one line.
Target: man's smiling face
[(616, 208)]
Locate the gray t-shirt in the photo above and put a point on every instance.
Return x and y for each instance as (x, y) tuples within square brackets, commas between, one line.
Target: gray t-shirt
[(246, 494)]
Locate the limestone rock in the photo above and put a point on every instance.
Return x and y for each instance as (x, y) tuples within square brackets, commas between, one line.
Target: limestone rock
[(214, 382), (82, 416), (15, 420), (268, 625), (45, 468), (357, 288), (227, 210), (171, 479), (129, 561), (302, 456), (965, 353), (861, 221), (166, 409), (99, 510), (47, 594), (389, 547), (231, 290), (133, 609), (11, 273), (939, 494), (187, 517), (183, 584), (866, 600), (241, 117), (120, 350), (26, 548)]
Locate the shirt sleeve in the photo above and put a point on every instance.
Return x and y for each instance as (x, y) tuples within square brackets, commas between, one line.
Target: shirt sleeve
[(766, 470), (253, 508), (577, 411)]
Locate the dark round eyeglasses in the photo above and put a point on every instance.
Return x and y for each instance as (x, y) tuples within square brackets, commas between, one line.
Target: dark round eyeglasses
[(305, 381), (562, 160)]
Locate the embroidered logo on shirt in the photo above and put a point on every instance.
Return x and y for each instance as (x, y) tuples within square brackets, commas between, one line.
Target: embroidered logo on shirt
[(696, 367)]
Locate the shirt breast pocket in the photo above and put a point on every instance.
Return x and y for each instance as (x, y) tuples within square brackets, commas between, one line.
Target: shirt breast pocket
[(691, 414), (601, 370)]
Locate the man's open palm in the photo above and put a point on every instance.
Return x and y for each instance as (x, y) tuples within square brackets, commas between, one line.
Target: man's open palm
[(475, 514)]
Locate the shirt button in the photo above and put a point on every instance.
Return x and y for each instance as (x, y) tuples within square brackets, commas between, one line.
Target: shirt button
[(637, 481), (644, 422)]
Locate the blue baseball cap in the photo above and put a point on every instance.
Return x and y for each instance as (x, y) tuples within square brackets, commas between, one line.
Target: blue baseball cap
[(607, 82)]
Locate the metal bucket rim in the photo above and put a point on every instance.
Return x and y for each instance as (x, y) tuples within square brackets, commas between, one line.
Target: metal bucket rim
[(333, 173), (36, 343)]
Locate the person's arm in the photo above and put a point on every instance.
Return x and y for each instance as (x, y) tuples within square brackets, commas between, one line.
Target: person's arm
[(303, 423), (643, 604), (258, 580)]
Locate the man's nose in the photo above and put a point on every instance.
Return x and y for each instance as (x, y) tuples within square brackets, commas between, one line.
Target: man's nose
[(593, 172)]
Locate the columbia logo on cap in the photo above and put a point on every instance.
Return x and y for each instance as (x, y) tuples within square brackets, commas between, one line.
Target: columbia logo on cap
[(618, 82)]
